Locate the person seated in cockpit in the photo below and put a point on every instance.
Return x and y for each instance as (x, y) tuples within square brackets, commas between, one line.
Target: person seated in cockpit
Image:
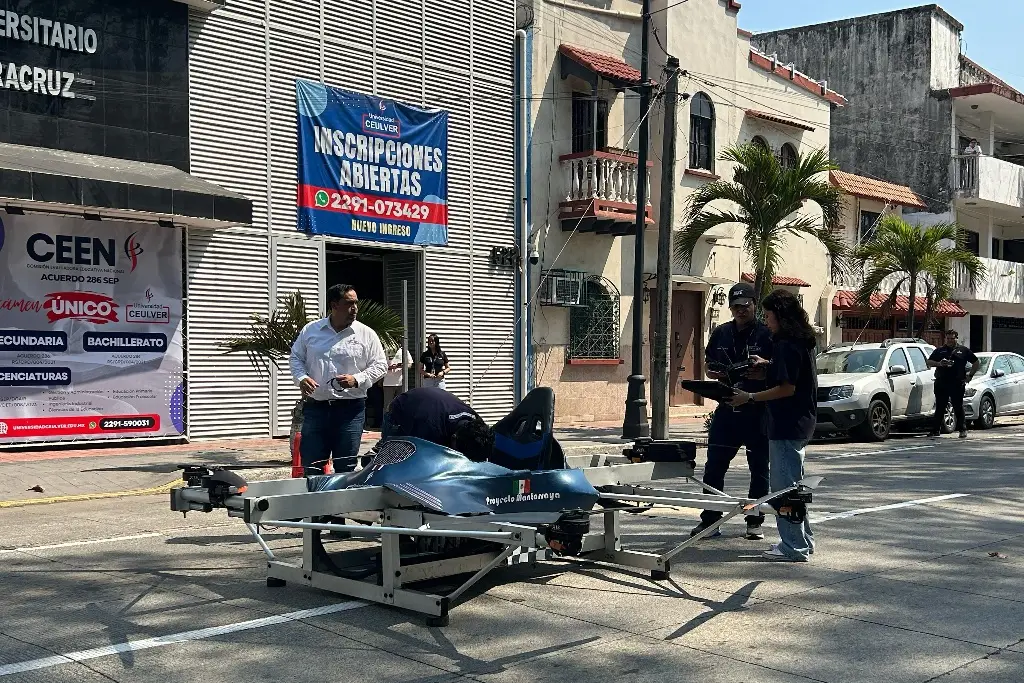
[(435, 415)]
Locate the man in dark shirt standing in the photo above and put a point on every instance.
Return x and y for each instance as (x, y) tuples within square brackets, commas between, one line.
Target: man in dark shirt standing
[(951, 377), (731, 343), (434, 415)]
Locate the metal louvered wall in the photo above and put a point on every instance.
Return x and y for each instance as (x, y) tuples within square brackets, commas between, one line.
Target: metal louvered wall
[(451, 54)]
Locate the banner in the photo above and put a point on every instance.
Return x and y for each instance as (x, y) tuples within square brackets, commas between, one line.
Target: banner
[(90, 330), (371, 168)]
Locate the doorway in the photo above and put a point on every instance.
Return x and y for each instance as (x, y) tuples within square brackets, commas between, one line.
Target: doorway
[(686, 359), (377, 274)]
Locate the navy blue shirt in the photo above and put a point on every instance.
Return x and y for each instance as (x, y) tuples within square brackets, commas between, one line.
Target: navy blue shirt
[(428, 413), (961, 357), (793, 417), (729, 345)]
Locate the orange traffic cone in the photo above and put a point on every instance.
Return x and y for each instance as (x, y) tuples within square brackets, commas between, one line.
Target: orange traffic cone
[(297, 470)]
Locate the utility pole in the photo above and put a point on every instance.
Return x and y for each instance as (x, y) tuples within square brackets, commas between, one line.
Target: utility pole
[(659, 364), (635, 424)]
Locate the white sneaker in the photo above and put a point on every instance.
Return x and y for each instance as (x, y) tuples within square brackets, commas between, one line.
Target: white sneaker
[(778, 555)]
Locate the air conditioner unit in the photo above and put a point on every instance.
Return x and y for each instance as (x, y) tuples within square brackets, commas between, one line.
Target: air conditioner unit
[(562, 288)]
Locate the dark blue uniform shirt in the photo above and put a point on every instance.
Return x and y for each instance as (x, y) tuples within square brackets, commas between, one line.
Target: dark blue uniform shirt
[(729, 345), (428, 413)]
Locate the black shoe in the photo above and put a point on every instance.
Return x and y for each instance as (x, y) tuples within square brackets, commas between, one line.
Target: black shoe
[(963, 433), (704, 525)]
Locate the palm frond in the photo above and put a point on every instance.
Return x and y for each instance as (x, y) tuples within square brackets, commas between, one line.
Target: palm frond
[(269, 339)]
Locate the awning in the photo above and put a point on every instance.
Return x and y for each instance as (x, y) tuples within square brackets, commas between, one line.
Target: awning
[(698, 280), (879, 190), (780, 280), (775, 118), (39, 179), (589, 66), (846, 300)]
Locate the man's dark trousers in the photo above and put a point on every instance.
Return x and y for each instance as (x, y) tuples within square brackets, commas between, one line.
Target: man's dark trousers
[(331, 428), (950, 390), (731, 430)]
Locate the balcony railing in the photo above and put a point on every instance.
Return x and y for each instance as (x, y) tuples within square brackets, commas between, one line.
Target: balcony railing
[(605, 176), (852, 281), (989, 179), (601, 189), (1003, 283)]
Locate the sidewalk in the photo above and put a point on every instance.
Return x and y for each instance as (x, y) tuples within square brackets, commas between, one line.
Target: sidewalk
[(107, 472)]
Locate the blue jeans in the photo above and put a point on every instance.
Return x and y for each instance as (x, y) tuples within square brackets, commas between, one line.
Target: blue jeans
[(329, 429), (785, 469)]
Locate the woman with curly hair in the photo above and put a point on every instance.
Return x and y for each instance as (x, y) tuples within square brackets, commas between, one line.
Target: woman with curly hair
[(791, 402)]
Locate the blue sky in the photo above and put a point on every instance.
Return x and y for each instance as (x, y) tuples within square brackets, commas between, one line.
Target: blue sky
[(992, 28)]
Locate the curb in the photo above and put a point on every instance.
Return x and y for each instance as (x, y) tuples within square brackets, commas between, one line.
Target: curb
[(163, 488)]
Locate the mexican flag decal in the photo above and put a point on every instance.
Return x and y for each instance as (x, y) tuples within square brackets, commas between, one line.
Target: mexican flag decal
[(521, 487)]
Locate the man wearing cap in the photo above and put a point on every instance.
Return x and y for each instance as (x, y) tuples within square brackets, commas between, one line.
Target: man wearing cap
[(731, 343)]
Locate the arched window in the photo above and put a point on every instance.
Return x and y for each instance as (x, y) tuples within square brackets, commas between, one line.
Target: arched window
[(702, 132), (787, 156), (594, 327), (761, 142)]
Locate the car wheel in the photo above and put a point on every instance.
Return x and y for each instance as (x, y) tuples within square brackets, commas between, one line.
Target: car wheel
[(878, 423), (949, 420), (986, 413)]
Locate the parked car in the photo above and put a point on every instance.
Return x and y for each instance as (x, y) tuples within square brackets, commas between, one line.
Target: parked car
[(864, 389), (997, 388)]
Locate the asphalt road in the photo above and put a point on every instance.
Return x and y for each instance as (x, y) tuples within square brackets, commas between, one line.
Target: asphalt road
[(898, 590)]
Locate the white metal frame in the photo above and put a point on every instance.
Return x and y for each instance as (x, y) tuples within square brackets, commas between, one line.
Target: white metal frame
[(285, 503)]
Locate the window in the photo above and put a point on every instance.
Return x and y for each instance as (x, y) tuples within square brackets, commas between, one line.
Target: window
[(761, 142), (583, 138), (594, 327), (702, 132), (1003, 363), (973, 242), (868, 223), (918, 359), (787, 156), (899, 358), (1016, 362)]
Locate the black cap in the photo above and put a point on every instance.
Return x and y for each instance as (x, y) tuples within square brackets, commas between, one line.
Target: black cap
[(741, 293)]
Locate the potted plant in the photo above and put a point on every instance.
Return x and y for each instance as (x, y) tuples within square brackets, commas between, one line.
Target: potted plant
[(269, 341)]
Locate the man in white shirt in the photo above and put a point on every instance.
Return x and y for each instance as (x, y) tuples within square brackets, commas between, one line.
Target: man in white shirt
[(335, 361)]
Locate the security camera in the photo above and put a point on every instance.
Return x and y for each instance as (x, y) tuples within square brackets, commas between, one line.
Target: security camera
[(534, 257)]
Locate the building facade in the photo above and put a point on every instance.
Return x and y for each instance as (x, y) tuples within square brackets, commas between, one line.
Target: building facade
[(916, 102), (186, 121), (585, 172)]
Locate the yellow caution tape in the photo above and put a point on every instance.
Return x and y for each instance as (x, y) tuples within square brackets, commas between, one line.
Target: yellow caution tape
[(163, 488)]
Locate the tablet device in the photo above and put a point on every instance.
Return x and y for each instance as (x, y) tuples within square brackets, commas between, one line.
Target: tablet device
[(716, 391)]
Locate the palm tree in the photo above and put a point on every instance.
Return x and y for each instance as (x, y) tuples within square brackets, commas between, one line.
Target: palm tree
[(270, 338), (765, 196), (918, 258)]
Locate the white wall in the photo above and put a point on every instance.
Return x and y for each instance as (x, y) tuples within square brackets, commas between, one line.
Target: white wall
[(244, 60), (945, 53)]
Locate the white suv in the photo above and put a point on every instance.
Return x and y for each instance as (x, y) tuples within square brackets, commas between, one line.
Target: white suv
[(864, 388)]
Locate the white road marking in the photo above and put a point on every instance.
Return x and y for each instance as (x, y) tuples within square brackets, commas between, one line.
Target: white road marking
[(888, 450), (893, 506), (114, 539), (185, 636)]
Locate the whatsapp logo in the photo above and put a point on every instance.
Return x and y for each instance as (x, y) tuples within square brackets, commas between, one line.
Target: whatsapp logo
[(321, 198)]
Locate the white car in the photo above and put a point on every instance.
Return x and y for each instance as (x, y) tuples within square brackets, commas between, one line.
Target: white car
[(864, 389), (997, 388)]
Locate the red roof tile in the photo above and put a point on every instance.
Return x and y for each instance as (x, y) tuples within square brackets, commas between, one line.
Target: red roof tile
[(606, 66), (798, 79), (846, 300), (753, 113), (860, 186), (780, 280)]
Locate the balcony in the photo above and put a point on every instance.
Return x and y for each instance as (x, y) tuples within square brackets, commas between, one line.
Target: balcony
[(601, 192), (988, 179), (1003, 283)]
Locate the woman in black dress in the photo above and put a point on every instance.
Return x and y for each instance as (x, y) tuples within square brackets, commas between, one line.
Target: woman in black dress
[(434, 363)]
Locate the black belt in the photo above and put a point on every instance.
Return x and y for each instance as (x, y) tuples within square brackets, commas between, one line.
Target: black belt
[(331, 401)]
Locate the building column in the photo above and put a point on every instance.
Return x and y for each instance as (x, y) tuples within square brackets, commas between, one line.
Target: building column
[(988, 122), (987, 346), (985, 248)]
